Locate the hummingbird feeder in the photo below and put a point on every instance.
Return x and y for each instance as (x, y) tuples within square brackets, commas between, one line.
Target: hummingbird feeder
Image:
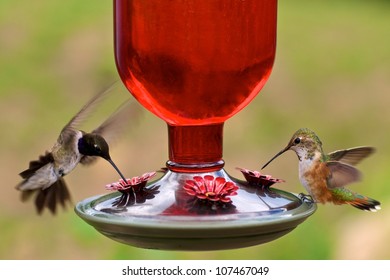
[(195, 64)]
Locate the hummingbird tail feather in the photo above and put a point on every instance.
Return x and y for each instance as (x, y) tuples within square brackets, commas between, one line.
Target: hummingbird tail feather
[(49, 198), (365, 203)]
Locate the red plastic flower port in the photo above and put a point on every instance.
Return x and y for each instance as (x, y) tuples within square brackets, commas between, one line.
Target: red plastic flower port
[(210, 188), (133, 190), (255, 178)]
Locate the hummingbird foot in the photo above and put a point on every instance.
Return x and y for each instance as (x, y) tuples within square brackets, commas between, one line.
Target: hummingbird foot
[(306, 198)]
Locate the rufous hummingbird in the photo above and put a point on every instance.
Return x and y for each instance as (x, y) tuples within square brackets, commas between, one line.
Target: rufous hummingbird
[(44, 177), (325, 176)]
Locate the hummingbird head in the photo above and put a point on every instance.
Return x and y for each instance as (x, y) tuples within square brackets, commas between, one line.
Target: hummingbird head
[(94, 145), (305, 143)]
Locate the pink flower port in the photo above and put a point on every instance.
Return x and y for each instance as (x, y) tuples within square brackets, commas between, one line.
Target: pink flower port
[(136, 183), (254, 177), (133, 190), (210, 188)]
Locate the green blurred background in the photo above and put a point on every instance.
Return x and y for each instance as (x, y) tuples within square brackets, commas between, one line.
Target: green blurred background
[(331, 74)]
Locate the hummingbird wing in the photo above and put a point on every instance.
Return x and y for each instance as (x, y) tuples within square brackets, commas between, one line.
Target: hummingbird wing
[(37, 164), (351, 156), (39, 175), (69, 129), (341, 174), (115, 126)]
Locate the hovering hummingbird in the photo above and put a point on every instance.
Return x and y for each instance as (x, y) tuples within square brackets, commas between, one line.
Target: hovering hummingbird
[(325, 176), (44, 177)]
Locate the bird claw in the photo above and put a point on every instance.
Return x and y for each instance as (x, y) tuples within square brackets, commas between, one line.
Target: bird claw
[(306, 198)]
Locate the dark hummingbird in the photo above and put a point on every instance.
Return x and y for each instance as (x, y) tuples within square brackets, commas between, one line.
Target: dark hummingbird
[(44, 177), (325, 176)]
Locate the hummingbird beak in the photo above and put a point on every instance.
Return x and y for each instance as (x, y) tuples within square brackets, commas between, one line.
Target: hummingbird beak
[(117, 169), (278, 154)]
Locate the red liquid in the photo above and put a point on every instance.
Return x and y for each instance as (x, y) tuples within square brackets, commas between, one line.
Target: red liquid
[(195, 63)]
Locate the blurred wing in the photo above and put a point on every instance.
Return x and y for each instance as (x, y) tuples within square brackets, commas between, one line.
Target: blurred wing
[(39, 175), (351, 156), (341, 174), (69, 130), (116, 125), (120, 121), (37, 164)]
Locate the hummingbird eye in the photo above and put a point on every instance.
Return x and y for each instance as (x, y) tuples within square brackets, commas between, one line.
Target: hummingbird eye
[(97, 147), (297, 140)]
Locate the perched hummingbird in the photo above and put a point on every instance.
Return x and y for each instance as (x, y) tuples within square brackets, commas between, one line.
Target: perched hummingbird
[(325, 176), (44, 177)]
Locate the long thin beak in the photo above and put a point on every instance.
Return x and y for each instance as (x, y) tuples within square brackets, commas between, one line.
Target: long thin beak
[(117, 169), (278, 154)]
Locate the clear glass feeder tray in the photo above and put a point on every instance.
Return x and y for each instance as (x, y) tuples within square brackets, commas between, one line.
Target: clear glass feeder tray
[(164, 216)]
